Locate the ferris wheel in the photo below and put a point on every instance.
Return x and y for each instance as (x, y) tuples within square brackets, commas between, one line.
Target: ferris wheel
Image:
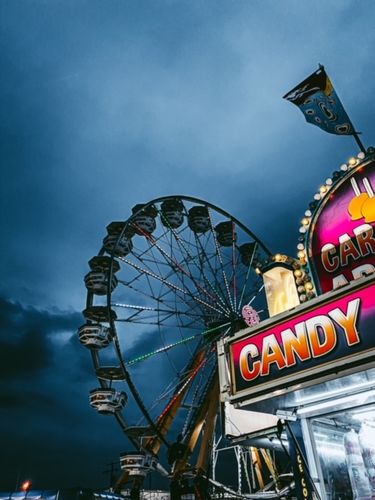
[(167, 283)]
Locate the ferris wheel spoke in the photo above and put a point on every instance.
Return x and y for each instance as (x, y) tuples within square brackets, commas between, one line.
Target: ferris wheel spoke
[(192, 405), (154, 322), (170, 391), (167, 309), (169, 284), (140, 275), (162, 398), (221, 260), (176, 399), (185, 340), (247, 275), (219, 268), (175, 267), (168, 312), (200, 268), (181, 271), (184, 245), (206, 259), (234, 266)]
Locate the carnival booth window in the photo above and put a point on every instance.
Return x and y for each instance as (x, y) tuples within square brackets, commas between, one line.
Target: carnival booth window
[(345, 446)]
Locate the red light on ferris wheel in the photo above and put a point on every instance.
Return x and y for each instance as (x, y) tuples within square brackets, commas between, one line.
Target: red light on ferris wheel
[(26, 485)]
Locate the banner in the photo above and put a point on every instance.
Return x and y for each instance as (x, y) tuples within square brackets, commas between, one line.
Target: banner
[(320, 105)]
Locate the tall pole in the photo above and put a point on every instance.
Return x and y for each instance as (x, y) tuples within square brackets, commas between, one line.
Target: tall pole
[(355, 134), (359, 142)]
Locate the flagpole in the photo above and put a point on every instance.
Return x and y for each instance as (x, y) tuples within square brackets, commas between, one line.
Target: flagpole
[(358, 141), (354, 134)]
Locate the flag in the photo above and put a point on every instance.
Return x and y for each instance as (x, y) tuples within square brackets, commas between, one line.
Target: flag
[(319, 103)]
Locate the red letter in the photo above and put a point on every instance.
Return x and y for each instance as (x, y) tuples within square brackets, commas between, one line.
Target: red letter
[(249, 351), (325, 326), (271, 353), (347, 249), (295, 343), (330, 261), (348, 321)]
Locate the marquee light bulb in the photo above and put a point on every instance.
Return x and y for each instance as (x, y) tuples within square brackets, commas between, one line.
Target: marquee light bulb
[(344, 167)]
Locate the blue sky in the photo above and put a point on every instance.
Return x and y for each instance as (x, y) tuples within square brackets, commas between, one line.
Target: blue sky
[(109, 104)]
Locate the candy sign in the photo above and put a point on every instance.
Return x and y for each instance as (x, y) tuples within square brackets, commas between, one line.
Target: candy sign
[(334, 334), (341, 243)]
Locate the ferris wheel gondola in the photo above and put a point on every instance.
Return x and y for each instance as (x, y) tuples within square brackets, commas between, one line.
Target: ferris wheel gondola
[(165, 286)]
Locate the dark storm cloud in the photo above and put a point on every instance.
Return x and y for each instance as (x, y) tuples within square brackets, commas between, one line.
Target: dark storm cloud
[(26, 337), (46, 376)]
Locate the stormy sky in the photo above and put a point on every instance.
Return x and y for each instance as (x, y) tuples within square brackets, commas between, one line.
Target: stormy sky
[(105, 104)]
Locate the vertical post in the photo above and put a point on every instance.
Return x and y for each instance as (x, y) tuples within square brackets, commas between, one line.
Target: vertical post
[(237, 451), (359, 142)]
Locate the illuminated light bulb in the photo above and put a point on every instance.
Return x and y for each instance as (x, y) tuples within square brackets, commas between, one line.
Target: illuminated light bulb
[(301, 254), (361, 155), (302, 229), (258, 271), (323, 189), (298, 273), (329, 181), (278, 257), (301, 246), (352, 161), (301, 289), (317, 196), (305, 221), (302, 261), (26, 485), (308, 213), (309, 285), (302, 298), (344, 167)]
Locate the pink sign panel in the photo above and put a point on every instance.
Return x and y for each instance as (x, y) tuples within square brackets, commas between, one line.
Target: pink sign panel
[(340, 329), (342, 241)]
